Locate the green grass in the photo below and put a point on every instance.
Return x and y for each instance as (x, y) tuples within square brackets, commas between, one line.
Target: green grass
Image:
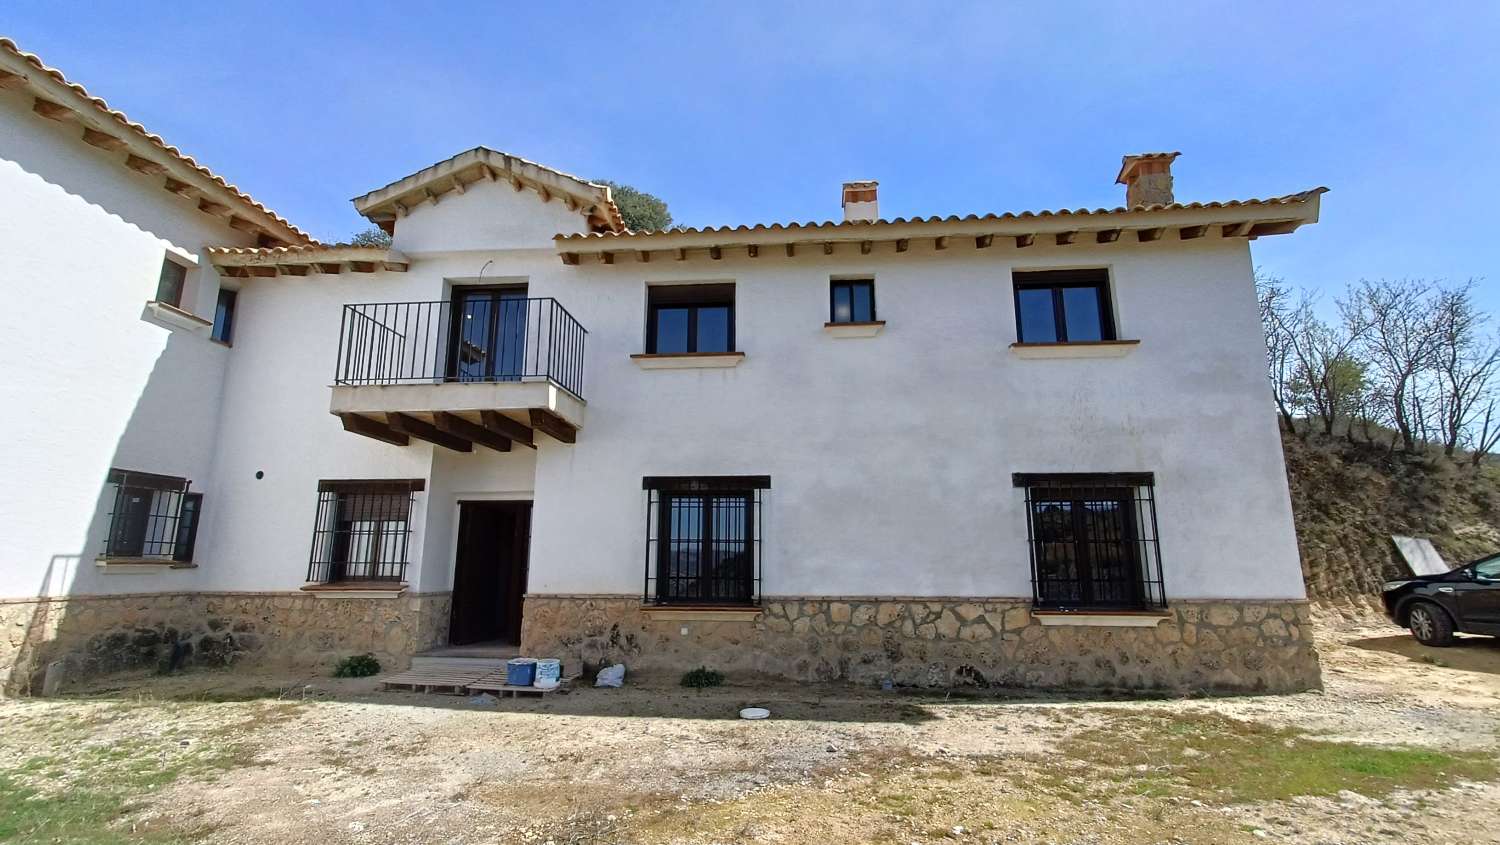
[(82, 793), (1214, 757)]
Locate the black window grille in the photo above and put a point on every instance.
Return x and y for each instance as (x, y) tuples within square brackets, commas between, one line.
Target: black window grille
[(362, 531), (703, 539), (152, 517), (851, 301), (1093, 541), (1063, 306), (689, 318)]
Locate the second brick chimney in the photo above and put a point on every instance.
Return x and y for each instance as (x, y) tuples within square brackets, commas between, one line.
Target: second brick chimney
[(860, 203), (1147, 178)]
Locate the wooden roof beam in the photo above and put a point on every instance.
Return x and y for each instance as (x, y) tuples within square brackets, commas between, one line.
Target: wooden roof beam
[(181, 189), (902, 244), (1187, 233), (12, 81), (1236, 230), (1064, 238), (102, 140), (214, 209), (51, 110), (1107, 236), (984, 241), (144, 165), (570, 259), (552, 425), (940, 243), (753, 250), (1023, 241), (1147, 235), (791, 250)]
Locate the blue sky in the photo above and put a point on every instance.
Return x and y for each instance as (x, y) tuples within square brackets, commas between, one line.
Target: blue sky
[(755, 112)]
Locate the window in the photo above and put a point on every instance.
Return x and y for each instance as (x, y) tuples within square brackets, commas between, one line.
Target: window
[(851, 301), (703, 539), (489, 332), (689, 318), (362, 531), (1063, 306), (170, 286), (152, 517), (224, 316), (1488, 570), (1093, 541)]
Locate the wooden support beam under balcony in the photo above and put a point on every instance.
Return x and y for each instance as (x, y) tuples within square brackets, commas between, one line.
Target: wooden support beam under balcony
[(554, 426), (359, 424), (423, 430), (507, 427), (459, 427)]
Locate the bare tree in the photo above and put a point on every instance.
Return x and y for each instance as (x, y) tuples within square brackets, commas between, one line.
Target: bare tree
[(1464, 363), (1327, 374), (1401, 345), (1486, 438), (1278, 321)]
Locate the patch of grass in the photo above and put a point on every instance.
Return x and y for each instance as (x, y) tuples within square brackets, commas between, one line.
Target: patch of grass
[(1214, 757), (702, 678), (357, 666)]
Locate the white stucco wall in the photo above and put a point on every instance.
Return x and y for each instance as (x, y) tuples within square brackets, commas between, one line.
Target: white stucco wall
[(89, 382)]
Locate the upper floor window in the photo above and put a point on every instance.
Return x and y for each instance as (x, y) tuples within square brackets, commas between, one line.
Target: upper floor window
[(171, 284), (152, 517), (851, 301), (703, 539), (1093, 540), (224, 316), (362, 531), (689, 318), (1063, 306)]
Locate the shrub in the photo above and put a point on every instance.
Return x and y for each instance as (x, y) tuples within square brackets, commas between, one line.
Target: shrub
[(703, 677), (357, 666)]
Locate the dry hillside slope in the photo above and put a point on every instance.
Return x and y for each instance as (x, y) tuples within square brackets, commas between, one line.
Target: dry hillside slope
[(1350, 498)]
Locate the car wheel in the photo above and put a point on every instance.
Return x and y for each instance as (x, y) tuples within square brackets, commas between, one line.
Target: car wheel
[(1430, 624)]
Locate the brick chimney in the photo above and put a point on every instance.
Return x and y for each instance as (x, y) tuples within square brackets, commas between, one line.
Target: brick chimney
[(860, 203), (1147, 178)]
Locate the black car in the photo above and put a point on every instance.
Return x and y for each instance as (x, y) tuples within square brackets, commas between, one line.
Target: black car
[(1434, 607)]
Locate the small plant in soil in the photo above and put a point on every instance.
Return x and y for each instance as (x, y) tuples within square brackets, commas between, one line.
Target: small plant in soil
[(357, 666), (702, 678)]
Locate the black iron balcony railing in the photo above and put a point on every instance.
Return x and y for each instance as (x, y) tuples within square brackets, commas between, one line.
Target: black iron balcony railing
[(491, 336)]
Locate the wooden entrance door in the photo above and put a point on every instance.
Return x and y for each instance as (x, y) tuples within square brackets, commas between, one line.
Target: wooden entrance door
[(489, 575)]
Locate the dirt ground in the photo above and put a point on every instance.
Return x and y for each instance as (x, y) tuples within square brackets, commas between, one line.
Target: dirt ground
[(1400, 746)]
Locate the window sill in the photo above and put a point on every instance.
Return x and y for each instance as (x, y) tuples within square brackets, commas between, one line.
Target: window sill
[(703, 613), (1080, 349), (869, 329), (131, 565), (356, 590), (1102, 618), (687, 360), (175, 317)]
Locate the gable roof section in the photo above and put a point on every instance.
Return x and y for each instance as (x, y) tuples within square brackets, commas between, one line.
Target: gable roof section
[(383, 206), (301, 260), (108, 129), (1250, 218)]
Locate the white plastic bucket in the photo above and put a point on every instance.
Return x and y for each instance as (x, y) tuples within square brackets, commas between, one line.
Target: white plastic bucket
[(548, 670)]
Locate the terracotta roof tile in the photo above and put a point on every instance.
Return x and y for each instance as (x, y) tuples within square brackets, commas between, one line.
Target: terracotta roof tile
[(119, 118)]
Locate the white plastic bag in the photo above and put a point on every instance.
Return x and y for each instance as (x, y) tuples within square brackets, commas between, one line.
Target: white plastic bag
[(611, 676)]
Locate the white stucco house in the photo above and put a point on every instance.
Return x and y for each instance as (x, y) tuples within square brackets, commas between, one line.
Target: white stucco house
[(1025, 448)]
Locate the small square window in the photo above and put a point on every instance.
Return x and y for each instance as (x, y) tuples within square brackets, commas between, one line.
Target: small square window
[(224, 316), (1063, 306), (689, 318), (851, 301), (170, 286)]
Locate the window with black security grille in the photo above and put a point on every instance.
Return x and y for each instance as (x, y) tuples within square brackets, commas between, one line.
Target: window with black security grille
[(1093, 541), (703, 539), (152, 517), (362, 531)]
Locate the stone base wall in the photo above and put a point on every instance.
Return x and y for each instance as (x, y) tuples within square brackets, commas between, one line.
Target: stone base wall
[(99, 634), (1219, 646)]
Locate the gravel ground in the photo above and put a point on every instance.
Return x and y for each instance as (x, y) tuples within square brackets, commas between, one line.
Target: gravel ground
[(340, 762)]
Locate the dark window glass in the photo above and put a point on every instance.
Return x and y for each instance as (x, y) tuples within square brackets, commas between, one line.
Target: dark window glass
[(173, 280), (690, 318), (489, 334), (672, 330), (852, 301), (1038, 323), (224, 316), (1063, 306)]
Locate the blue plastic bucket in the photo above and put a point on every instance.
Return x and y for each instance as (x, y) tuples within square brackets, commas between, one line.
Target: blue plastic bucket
[(520, 671), (548, 670)]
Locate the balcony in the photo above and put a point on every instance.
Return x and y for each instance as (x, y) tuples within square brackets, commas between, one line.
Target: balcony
[(489, 368)]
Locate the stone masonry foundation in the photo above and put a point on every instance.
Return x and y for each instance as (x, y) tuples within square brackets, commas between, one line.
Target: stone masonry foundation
[(99, 634), (1217, 646)]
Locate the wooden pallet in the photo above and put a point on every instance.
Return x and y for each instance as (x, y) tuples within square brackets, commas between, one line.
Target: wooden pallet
[(494, 682), (446, 679)]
